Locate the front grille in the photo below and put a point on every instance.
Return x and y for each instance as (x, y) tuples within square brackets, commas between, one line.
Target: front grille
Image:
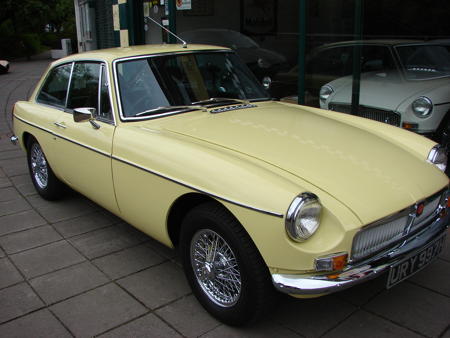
[(386, 232), (380, 115)]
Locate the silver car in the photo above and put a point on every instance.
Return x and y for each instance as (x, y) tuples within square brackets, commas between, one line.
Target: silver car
[(406, 84)]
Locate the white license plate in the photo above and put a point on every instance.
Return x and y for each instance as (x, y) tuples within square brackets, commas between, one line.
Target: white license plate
[(410, 265)]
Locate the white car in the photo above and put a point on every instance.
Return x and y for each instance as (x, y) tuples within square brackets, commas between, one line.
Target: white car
[(406, 84)]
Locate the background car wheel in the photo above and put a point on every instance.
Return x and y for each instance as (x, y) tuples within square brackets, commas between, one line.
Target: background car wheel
[(44, 180), (223, 266)]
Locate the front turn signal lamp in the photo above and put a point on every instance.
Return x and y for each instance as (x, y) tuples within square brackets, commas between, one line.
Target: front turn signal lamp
[(333, 262), (303, 216)]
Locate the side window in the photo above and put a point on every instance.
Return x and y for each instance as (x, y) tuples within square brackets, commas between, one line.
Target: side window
[(104, 111), (83, 90), (54, 90)]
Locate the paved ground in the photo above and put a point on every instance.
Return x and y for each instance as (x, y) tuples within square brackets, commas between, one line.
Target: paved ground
[(70, 268)]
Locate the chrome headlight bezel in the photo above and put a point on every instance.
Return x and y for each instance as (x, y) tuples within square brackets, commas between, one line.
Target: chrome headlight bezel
[(438, 157), (422, 107), (295, 216), (325, 92)]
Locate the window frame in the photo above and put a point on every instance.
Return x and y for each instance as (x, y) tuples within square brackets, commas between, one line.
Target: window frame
[(106, 66)]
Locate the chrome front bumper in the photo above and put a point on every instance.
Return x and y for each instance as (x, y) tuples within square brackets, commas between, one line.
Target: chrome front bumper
[(320, 284)]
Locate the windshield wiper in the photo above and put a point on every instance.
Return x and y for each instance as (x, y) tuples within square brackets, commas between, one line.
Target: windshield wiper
[(169, 109), (213, 100)]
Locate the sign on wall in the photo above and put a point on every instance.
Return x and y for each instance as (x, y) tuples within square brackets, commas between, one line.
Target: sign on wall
[(183, 5), (258, 17)]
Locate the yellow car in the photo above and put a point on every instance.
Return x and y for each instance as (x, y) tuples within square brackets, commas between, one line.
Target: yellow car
[(185, 145)]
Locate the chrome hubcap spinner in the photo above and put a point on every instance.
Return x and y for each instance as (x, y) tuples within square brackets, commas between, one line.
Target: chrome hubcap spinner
[(215, 267), (39, 166)]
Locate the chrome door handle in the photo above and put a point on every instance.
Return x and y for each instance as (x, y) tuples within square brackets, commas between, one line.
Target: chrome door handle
[(60, 125)]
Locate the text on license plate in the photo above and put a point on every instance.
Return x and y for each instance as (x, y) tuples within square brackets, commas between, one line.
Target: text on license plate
[(410, 265)]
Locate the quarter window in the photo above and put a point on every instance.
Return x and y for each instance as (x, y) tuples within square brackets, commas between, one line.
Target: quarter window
[(54, 90), (84, 86)]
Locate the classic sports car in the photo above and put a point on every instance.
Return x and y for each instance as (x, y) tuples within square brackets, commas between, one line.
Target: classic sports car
[(184, 144), (406, 84)]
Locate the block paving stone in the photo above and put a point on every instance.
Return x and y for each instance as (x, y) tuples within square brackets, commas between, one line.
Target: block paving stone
[(98, 310), (37, 324), (18, 300), (29, 239), (68, 282), (70, 268), (46, 259)]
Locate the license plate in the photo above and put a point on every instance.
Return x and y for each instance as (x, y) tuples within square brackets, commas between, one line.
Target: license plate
[(410, 265)]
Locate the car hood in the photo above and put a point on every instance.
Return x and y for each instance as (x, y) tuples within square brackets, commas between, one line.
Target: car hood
[(383, 90), (370, 175)]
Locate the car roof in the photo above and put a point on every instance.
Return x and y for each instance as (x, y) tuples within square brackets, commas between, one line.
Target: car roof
[(386, 42), (112, 54)]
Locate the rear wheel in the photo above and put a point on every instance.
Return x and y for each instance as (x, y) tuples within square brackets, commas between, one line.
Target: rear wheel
[(42, 176), (223, 266)]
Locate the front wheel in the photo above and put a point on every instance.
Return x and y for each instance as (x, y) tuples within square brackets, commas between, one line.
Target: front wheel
[(42, 176), (223, 266)]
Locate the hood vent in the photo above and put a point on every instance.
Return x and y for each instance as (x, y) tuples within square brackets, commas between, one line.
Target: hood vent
[(234, 107)]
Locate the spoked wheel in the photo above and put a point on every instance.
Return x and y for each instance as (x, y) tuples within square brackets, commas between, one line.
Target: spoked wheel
[(224, 268), (42, 176)]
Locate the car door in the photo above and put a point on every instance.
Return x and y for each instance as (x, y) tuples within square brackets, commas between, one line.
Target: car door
[(84, 148)]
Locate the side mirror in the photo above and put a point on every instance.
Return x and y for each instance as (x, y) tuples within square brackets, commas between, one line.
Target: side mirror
[(85, 114)]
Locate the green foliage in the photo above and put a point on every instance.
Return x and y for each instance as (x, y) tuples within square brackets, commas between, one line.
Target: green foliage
[(25, 23)]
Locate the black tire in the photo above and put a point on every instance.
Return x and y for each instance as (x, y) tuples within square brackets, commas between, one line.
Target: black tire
[(42, 176), (246, 301)]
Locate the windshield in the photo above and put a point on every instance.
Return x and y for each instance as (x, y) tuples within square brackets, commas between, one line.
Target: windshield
[(422, 62), (183, 80)]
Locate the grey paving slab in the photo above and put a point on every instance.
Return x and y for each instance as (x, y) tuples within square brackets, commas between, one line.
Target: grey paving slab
[(46, 259), (162, 249), (8, 273), (13, 206), (14, 166), (361, 294), (68, 282), (188, 317), (414, 307), (364, 324), (2, 253), (29, 239), (8, 194), (146, 326), (16, 301), (128, 261), (9, 154), (436, 277), (37, 324), (98, 310), (257, 330), (20, 221), (108, 240), (311, 317), (70, 206), (24, 185), (83, 224), (158, 285), (5, 182)]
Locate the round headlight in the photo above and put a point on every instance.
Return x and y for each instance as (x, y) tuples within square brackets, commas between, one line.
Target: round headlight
[(303, 216), (422, 107), (325, 93), (438, 156)]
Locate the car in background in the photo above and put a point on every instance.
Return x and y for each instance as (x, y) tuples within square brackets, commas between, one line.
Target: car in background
[(405, 84), (262, 62), (4, 66), (184, 143)]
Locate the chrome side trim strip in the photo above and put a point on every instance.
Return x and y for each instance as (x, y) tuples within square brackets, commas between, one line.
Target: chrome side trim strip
[(65, 138), (271, 213)]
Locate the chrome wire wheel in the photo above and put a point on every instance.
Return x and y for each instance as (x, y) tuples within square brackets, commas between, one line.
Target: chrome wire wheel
[(38, 165), (215, 268)]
